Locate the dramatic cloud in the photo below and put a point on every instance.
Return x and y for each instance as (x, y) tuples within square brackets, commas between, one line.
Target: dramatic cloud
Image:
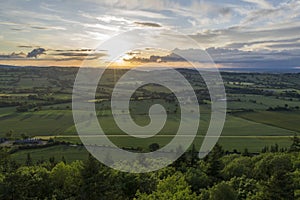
[(240, 31), (55, 54), (36, 52), (236, 37), (229, 58)]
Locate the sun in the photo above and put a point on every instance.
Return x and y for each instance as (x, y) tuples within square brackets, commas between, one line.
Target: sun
[(121, 61)]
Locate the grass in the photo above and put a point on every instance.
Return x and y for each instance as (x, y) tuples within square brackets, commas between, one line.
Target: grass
[(236, 126), (252, 130), (70, 153), (285, 119), (262, 102), (253, 144), (49, 122), (60, 122), (33, 82)]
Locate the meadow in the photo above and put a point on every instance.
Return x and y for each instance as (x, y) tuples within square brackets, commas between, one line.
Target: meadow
[(263, 110)]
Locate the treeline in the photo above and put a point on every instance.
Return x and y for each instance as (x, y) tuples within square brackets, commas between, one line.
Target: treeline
[(268, 176), (265, 92), (36, 106), (23, 105)]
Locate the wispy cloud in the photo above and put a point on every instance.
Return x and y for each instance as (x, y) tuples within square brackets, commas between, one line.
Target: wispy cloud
[(261, 3), (111, 18), (235, 37), (102, 27), (149, 24), (13, 56), (79, 55), (248, 25), (48, 27), (26, 46)]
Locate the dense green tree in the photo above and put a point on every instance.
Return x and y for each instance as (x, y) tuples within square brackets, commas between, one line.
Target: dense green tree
[(153, 147), (246, 152), (264, 177), (2, 185), (165, 172), (193, 156), (204, 194), (28, 161), (274, 170), (99, 181), (245, 188), (27, 183), (63, 160), (214, 163), (222, 191), (197, 179), (66, 180), (131, 183), (295, 147), (240, 166), (296, 180), (4, 160), (173, 187)]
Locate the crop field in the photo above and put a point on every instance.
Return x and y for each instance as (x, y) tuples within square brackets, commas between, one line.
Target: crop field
[(70, 153), (46, 122), (263, 110), (283, 119)]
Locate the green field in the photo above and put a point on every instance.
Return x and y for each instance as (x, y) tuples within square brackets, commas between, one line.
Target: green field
[(45, 122), (70, 154), (44, 94), (285, 120)]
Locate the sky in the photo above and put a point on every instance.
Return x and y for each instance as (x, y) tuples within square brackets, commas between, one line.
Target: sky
[(245, 33)]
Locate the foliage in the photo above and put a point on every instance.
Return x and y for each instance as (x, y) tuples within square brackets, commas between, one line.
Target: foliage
[(222, 191), (219, 176), (173, 187)]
